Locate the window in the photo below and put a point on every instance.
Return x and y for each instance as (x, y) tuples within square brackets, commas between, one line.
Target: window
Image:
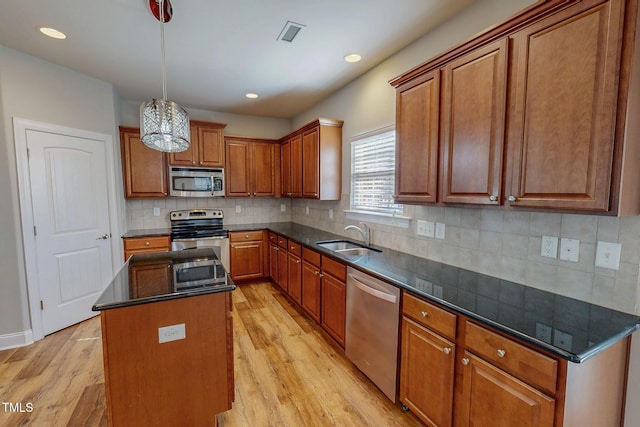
[(373, 161)]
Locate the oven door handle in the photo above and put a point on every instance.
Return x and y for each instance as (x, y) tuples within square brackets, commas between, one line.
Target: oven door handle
[(201, 238)]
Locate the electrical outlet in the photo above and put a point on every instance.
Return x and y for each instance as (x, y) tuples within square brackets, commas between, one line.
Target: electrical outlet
[(440, 227), (238, 209), (283, 208), (156, 211), (330, 213), (549, 247), (570, 249), (563, 340), (306, 210), (608, 255), (438, 291), (543, 332), (172, 333), (424, 285)]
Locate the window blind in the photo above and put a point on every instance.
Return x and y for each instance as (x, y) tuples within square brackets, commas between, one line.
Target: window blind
[(373, 173)]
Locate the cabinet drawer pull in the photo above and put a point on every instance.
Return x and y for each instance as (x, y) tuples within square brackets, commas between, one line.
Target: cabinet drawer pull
[(501, 352), (147, 243), (512, 198), (446, 350), (424, 313), (493, 198), (465, 361)]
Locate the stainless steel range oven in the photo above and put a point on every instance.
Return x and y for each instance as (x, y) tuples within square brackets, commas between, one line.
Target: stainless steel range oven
[(200, 228)]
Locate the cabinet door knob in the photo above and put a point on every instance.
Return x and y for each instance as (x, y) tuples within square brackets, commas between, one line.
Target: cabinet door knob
[(297, 261), (465, 361), (512, 198), (246, 236), (424, 313), (147, 243), (446, 350), (501, 352), (493, 198)]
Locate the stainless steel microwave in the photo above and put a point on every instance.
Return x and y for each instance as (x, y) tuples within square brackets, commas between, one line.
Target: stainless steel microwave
[(196, 182)]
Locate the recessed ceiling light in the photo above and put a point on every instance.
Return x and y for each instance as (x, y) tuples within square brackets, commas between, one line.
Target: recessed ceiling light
[(353, 57), (53, 33), (251, 95)]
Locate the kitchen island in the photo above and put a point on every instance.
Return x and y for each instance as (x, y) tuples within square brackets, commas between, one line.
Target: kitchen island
[(167, 340)]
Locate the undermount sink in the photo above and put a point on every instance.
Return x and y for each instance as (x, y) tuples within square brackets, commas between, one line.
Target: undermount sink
[(346, 247)]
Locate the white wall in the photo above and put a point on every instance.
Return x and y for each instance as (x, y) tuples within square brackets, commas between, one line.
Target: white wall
[(37, 90)]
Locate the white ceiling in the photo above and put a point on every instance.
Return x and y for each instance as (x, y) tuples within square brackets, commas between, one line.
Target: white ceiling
[(217, 50)]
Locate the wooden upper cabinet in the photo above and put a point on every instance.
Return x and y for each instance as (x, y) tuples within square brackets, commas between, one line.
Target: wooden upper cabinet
[(206, 149), (417, 128), (473, 112), (251, 167), (312, 161), (537, 112), (144, 170), (563, 115), (311, 164)]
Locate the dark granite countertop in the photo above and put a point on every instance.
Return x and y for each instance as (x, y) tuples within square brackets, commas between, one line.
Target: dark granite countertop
[(178, 274), (147, 233), (578, 329)]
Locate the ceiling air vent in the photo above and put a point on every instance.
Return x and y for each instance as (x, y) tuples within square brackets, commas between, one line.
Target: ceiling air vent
[(290, 31)]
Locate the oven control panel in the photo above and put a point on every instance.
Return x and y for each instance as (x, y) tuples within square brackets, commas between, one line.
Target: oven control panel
[(196, 214)]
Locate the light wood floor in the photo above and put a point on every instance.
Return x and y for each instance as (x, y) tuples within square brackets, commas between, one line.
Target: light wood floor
[(288, 372)]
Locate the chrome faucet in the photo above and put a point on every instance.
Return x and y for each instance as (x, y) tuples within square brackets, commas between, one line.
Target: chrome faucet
[(364, 231)]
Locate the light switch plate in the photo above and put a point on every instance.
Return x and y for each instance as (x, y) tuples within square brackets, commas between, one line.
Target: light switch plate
[(238, 208), (330, 213), (172, 333), (156, 211), (608, 255), (563, 340), (543, 332), (570, 249), (283, 207), (440, 227), (425, 228)]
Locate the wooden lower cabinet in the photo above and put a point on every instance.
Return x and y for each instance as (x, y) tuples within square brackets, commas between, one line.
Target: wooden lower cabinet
[(427, 374), (283, 268), (294, 273), (143, 245), (334, 298), (311, 283), (151, 279), (457, 372), (492, 397), (247, 255)]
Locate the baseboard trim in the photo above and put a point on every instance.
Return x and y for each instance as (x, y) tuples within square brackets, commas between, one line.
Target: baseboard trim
[(18, 339)]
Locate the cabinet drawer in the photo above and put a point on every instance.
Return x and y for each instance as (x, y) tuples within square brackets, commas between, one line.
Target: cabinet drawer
[(334, 268), (429, 315), (273, 238), (283, 242), (295, 248), (526, 364), (245, 236), (310, 256), (154, 243)]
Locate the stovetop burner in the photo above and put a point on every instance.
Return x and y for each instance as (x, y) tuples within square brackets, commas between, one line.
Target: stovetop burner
[(196, 224)]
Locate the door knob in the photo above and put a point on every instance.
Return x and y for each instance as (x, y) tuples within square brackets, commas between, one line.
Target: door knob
[(105, 236)]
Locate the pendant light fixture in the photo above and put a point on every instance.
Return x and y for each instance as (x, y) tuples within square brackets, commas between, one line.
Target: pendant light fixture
[(164, 125)]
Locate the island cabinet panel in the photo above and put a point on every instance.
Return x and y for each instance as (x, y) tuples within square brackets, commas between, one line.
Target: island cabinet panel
[(144, 170), (206, 147), (562, 122), (183, 382), (417, 131), (473, 110)]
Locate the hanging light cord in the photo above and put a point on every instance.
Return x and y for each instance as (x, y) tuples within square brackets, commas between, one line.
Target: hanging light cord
[(164, 73)]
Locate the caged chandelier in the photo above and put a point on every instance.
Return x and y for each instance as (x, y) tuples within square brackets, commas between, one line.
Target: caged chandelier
[(164, 125)]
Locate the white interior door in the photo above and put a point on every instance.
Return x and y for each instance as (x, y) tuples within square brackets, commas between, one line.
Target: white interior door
[(69, 197)]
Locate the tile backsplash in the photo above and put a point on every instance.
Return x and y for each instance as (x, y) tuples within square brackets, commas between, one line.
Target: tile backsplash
[(507, 245), (498, 243)]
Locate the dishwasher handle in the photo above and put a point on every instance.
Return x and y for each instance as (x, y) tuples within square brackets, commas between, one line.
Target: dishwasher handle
[(371, 291)]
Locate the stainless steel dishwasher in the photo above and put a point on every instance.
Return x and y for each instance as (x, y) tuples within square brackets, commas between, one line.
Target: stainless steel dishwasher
[(371, 342)]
